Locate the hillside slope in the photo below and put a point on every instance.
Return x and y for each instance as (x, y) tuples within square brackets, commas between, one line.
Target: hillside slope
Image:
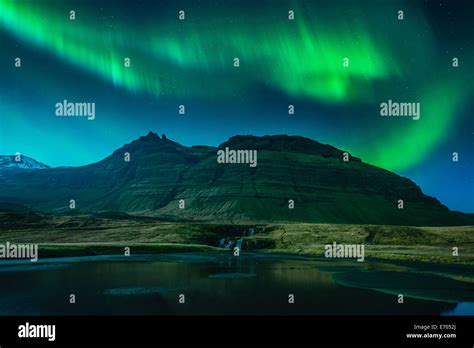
[(161, 172)]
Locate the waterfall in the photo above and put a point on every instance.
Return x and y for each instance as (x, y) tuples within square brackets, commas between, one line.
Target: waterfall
[(239, 244), (229, 243), (226, 243)]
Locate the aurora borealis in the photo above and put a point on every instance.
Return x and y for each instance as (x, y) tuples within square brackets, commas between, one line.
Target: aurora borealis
[(191, 62)]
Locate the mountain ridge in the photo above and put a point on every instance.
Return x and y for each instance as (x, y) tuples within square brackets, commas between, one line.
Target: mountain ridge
[(16, 163), (162, 174)]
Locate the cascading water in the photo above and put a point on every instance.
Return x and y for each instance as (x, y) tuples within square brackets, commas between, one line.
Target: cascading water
[(229, 243), (239, 244)]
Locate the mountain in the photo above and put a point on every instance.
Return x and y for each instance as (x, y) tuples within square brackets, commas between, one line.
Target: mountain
[(13, 164), (162, 172)]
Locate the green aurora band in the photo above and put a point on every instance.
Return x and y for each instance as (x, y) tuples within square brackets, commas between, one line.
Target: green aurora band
[(301, 58)]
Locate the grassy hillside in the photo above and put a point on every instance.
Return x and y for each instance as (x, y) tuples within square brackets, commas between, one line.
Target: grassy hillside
[(431, 244), (324, 187), (85, 235)]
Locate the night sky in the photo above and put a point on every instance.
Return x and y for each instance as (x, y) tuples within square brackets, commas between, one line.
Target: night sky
[(191, 62)]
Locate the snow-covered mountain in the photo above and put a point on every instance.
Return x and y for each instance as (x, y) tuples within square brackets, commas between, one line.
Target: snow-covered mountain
[(14, 164)]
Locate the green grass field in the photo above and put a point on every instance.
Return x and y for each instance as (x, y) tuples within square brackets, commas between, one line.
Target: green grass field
[(88, 235)]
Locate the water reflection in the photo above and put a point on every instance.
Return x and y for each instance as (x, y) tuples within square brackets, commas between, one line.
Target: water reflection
[(219, 283)]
